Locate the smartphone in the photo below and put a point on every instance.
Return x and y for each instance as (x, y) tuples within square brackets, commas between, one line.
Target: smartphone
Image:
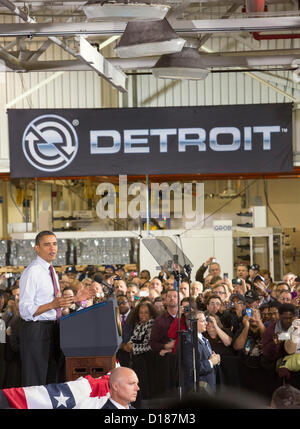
[(249, 312), (225, 276)]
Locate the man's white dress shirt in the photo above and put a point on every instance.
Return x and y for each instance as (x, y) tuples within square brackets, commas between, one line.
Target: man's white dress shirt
[(36, 289)]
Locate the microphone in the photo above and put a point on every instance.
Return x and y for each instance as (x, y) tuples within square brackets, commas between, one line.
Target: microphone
[(99, 279)]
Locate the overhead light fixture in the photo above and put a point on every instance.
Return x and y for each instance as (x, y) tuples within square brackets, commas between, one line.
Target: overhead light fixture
[(124, 10), (147, 38), (186, 64)]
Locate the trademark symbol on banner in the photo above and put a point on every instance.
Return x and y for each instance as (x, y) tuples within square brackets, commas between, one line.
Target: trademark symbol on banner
[(284, 130), (50, 143)]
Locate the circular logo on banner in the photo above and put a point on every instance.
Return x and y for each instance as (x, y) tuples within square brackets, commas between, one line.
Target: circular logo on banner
[(50, 143)]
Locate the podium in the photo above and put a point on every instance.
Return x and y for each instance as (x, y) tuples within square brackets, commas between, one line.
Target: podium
[(90, 338)]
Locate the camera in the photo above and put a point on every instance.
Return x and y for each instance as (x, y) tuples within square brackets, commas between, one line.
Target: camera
[(208, 319), (237, 281), (186, 308), (117, 278)]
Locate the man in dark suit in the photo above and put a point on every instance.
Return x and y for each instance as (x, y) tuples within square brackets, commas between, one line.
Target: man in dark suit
[(123, 384), (206, 360)]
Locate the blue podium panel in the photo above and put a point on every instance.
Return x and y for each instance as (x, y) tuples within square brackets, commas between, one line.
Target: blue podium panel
[(92, 331)]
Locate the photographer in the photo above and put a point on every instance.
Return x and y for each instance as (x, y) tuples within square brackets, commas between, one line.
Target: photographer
[(248, 342), (184, 313), (233, 317), (214, 269), (220, 340), (71, 307)]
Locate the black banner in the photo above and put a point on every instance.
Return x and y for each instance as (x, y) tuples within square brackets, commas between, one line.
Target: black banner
[(253, 138)]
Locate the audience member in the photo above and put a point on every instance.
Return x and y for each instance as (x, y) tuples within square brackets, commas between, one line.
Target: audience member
[(12, 346), (143, 358), (145, 276), (158, 303), (156, 284), (185, 313), (120, 287), (206, 359), (132, 294), (242, 271), (196, 289), (184, 288), (284, 297), (159, 341), (123, 355), (248, 342), (214, 269)]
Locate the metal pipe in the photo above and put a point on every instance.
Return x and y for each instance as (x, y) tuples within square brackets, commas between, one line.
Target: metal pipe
[(258, 36)]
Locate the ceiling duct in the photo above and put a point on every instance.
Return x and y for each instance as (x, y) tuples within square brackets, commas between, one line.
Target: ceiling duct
[(147, 38), (255, 5), (124, 10), (186, 64)]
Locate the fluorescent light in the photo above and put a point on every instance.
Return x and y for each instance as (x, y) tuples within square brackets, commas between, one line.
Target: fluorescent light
[(126, 11), (184, 73), (147, 38), (186, 64)]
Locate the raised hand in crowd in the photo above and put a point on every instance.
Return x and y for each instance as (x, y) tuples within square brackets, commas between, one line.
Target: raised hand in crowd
[(85, 293), (228, 284), (209, 261)]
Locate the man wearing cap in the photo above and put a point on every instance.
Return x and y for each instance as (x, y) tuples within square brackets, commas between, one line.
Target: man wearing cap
[(109, 269), (239, 286), (259, 285), (253, 271), (252, 299), (71, 272), (233, 317)]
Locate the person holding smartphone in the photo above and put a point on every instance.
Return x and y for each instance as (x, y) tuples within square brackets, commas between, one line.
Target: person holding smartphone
[(248, 342), (214, 269)]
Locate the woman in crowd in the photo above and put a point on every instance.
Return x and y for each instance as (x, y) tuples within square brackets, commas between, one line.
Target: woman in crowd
[(12, 349), (220, 340), (142, 357), (69, 292)]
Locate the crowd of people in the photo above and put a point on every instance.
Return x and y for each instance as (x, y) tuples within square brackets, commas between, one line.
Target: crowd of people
[(178, 333)]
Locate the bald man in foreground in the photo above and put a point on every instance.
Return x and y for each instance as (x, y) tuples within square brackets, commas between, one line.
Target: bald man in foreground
[(123, 384)]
